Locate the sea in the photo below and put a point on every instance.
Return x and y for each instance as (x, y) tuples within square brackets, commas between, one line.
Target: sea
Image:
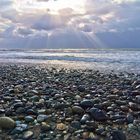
[(102, 60)]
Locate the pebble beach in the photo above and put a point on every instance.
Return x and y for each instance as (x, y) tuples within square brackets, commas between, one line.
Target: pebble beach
[(50, 103)]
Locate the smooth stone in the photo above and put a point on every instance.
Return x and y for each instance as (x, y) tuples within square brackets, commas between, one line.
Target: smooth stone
[(9, 112), (61, 126), (91, 126), (106, 104), (31, 112), (124, 108), (134, 106), (117, 116), (28, 135), (45, 127), (138, 99), (138, 87), (33, 92), (20, 128), (7, 123), (76, 124), (130, 118), (17, 105), (99, 131), (86, 103), (120, 121), (18, 88), (81, 88), (96, 100), (119, 102), (78, 97), (118, 135), (34, 98), (59, 105), (110, 108), (41, 118), (7, 98), (42, 101), (29, 119), (77, 110), (20, 110), (41, 111), (112, 97), (97, 114), (2, 111), (84, 118), (135, 93)]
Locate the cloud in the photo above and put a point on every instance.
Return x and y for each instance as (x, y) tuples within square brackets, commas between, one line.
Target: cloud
[(42, 0), (113, 23), (48, 22), (5, 3)]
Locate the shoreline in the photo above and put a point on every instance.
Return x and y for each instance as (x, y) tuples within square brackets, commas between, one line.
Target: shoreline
[(44, 102), (69, 66)]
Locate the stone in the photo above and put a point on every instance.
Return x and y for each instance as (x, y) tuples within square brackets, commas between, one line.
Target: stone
[(124, 108), (134, 106), (78, 97), (97, 114), (29, 119), (45, 127), (20, 128), (76, 124), (84, 118), (130, 118), (2, 111), (86, 103), (41, 118), (77, 110), (35, 98), (28, 135), (81, 88), (7, 123), (138, 99), (112, 97), (118, 135), (61, 126), (91, 126), (17, 105), (31, 112), (20, 110)]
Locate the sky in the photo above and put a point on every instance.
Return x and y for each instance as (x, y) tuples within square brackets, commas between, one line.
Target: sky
[(69, 24)]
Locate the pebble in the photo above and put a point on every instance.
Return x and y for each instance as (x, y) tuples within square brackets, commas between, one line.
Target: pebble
[(61, 126), (81, 88), (77, 110), (20, 128), (45, 127), (97, 114), (85, 118), (86, 103), (28, 135), (76, 124), (130, 118), (118, 135), (43, 103), (29, 119), (7, 123), (41, 118)]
